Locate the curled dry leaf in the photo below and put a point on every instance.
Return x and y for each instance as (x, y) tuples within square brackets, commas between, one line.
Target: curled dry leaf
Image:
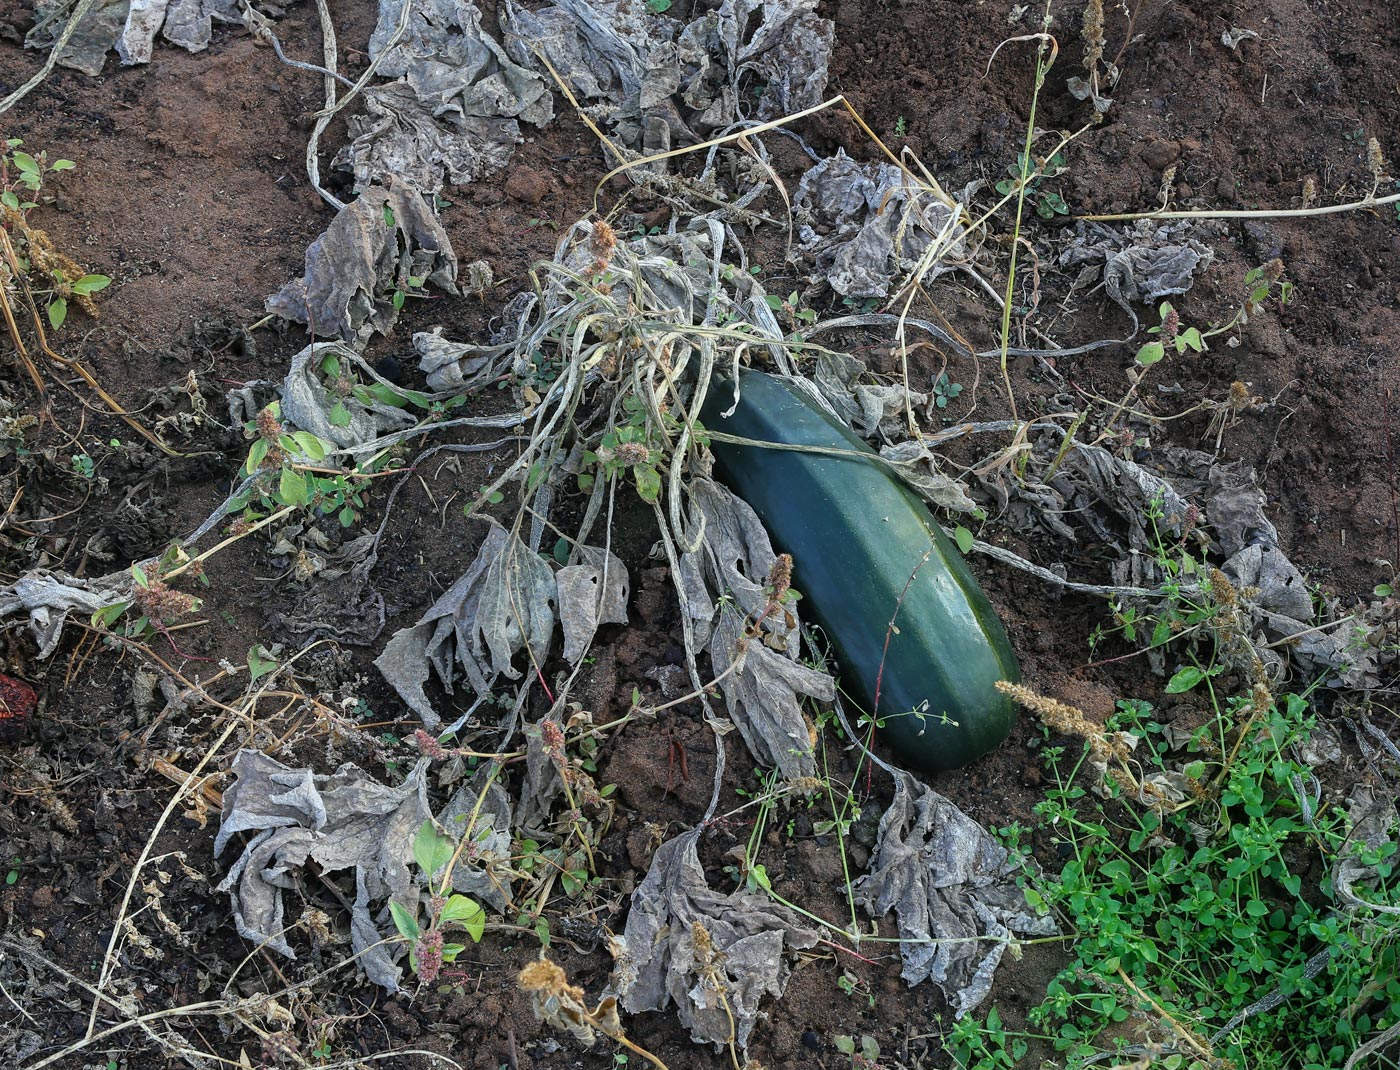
[(591, 593), (659, 961), (753, 651), (374, 246), (343, 821), (954, 892), (454, 113), (501, 605)]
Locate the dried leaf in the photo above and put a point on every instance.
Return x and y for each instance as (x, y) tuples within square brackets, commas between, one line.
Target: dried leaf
[(484, 871), (1373, 821), (590, 594), (307, 404), (343, 821), (453, 113), (862, 225), (373, 247), (456, 366), (48, 598), (762, 697), (662, 81), (500, 606), (917, 465), (734, 560), (953, 889), (658, 962), (1141, 263)]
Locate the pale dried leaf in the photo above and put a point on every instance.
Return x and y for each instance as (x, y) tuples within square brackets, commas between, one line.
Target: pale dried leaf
[(501, 605), (725, 579), (343, 821), (355, 267), (917, 465), (953, 890), (657, 963), (590, 594)]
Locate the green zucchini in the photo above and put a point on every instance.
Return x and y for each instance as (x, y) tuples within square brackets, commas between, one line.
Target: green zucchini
[(866, 551)]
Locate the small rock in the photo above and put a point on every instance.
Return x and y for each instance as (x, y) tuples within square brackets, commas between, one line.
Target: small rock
[(1159, 154), (527, 186)]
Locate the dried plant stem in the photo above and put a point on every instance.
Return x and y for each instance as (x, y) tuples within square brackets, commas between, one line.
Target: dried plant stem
[(192, 782), (1041, 67), (264, 522), (1180, 1030), (1363, 204), (621, 1038), (12, 259), (80, 12)]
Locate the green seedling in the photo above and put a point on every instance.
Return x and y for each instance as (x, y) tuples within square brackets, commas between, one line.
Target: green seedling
[(945, 390), (863, 1051), (434, 852), (1047, 203)]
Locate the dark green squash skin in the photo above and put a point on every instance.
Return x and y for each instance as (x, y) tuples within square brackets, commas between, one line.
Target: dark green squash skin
[(856, 534)]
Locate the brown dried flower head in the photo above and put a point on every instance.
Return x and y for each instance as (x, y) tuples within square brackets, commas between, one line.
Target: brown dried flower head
[(268, 425), (1058, 716), (632, 453), (780, 577), (1222, 590), (1376, 161), (1093, 34)]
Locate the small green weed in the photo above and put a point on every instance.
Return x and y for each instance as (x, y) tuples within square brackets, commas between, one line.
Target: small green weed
[(22, 178), (1047, 203), (945, 390), (863, 1051), (1261, 284), (433, 852), (854, 987), (791, 309)]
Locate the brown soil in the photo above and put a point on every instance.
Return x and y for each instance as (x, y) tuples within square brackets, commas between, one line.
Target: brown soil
[(190, 191)]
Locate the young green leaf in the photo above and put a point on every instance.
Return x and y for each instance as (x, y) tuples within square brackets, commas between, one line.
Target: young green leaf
[(963, 538), (1184, 679), (467, 913), (58, 312), (404, 921), (1190, 338), (257, 454), (648, 483), (1151, 353), (90, 284), (431, 849), (260, 663), (310, 445), (107, 615), (292, 489)]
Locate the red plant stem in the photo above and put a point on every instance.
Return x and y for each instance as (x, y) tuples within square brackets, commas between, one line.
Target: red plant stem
[(849, 951), (880, 675), (547, 692)]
